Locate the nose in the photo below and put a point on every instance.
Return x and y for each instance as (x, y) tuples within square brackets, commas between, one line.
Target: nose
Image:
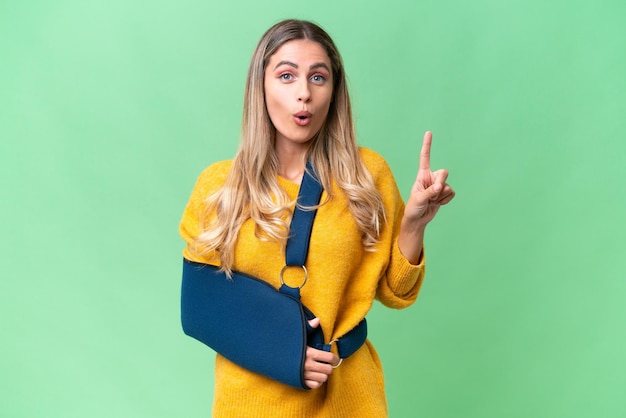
[(304, 92)]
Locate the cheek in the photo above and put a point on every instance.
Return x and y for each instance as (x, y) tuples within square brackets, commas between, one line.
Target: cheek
[(327, 99), (327, 108), (275, 113), (271, 106), (273, 101)]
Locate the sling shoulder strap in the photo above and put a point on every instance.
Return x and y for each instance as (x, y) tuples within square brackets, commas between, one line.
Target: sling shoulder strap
[(297, 249), (303, 217)]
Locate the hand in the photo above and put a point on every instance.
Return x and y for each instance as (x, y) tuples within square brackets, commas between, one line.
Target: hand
[(318, 364), (429, 191)]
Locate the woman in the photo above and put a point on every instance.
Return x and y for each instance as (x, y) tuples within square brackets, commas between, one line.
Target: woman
[(365, 242)]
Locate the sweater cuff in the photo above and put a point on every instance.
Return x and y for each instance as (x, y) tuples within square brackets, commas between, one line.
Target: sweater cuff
[(402, 276)]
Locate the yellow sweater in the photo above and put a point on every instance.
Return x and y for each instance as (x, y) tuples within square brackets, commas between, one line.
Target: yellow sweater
[(343, 282)]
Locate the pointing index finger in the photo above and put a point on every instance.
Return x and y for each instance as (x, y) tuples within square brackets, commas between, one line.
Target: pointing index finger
[(425, 153)]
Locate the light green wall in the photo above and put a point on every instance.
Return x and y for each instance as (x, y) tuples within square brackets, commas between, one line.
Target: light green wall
[(110, 109)]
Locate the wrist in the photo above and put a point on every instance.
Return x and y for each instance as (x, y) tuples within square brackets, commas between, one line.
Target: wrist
[(413, 226), (411, 240)]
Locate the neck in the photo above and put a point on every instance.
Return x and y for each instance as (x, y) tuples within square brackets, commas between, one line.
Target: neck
[(291, 162), (292, 170)]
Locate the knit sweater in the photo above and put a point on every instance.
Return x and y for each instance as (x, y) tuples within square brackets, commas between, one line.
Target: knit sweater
[(343, 282)]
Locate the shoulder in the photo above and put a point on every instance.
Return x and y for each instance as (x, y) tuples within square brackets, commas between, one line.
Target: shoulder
[(374, 162), (218, 170), (212, 178), (215, 174), (381, 173)]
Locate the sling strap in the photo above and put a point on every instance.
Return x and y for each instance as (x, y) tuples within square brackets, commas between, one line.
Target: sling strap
[(297, 250), (303, 216)]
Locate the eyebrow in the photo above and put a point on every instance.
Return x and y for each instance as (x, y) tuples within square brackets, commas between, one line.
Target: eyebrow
[(294, 65)]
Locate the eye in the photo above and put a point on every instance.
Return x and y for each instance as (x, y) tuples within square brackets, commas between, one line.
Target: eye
[(285, 77), (318, 79)]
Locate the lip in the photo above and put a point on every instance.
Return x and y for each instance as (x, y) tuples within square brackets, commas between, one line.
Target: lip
[(302, 118)]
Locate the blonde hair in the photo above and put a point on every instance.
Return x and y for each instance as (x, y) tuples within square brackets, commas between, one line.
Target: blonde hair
[(251, 189)]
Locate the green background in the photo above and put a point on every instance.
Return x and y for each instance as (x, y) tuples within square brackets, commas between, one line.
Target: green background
[(110, 109)]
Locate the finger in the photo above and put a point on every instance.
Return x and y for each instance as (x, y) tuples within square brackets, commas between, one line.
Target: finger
[(314, 323), (444, 197), (314, 384), (314, 367), (440, 176), (320, 356), (315, 371), (447, 195), (425, 153), (311, 384), (439, 183), (446, 200)]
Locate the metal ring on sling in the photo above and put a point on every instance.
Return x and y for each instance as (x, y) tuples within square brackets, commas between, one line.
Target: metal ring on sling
[(306, 276), (340, 359)]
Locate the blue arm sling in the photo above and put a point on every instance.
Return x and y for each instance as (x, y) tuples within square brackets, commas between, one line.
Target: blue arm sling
[(252, 324)]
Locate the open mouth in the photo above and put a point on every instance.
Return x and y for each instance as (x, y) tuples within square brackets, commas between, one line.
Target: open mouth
[(302, 118)]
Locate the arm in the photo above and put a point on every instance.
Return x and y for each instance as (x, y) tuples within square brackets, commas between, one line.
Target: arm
[(210, 180), (428, 193)]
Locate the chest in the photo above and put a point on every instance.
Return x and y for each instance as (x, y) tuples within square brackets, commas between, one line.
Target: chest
[(335, 241)]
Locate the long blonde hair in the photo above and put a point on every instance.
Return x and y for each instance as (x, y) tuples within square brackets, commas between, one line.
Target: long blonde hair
[(251, 189)]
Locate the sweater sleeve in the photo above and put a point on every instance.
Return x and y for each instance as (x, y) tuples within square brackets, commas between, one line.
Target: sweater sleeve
[(400, 283), (190, 226)]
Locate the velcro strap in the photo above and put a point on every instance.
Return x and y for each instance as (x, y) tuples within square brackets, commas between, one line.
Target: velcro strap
[(349, 343)]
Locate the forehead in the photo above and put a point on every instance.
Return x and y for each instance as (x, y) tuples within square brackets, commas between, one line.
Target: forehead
[(300, 50)]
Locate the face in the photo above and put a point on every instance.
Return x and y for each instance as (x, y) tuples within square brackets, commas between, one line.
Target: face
[(298, 91)]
